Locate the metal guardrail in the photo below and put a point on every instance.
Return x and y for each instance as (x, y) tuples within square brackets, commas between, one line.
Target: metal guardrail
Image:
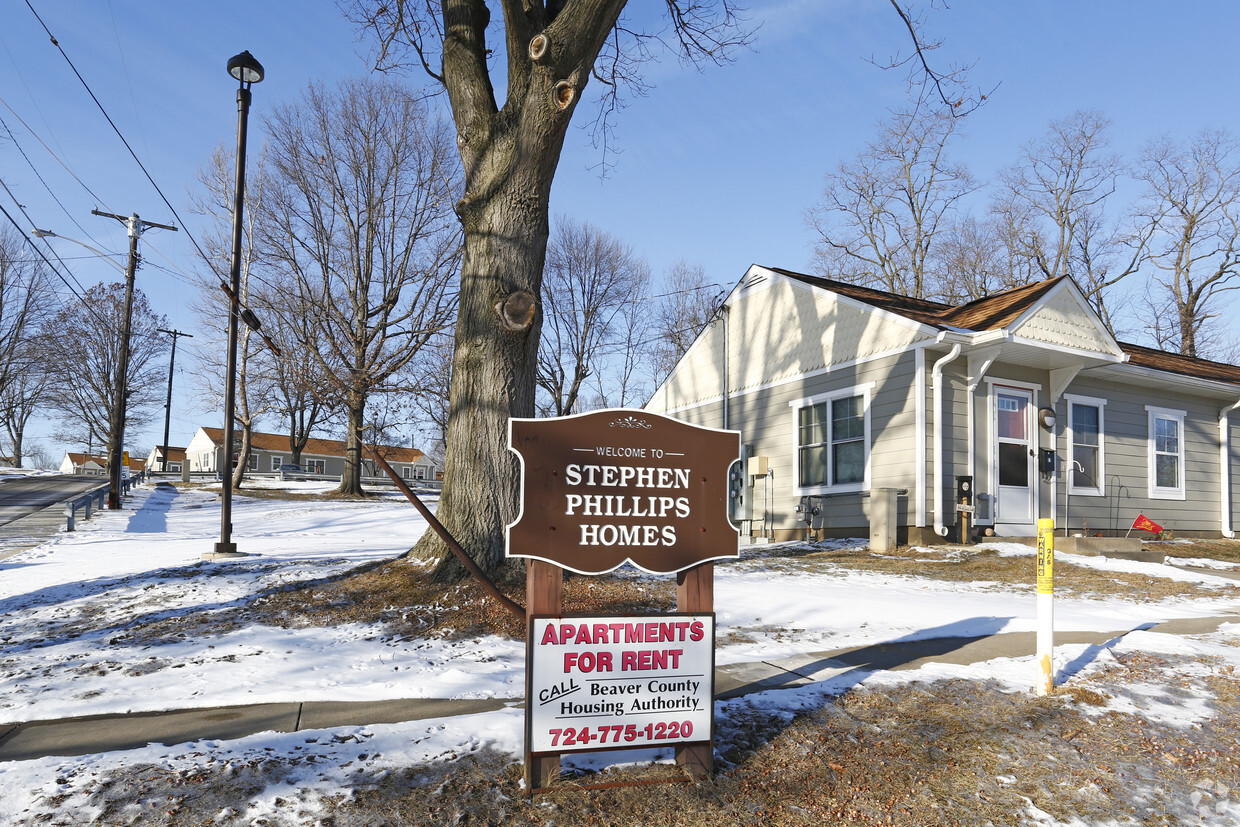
[(84, 502), (98, 496)]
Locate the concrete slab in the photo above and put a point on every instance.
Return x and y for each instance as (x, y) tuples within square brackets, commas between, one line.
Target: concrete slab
[(323, 714), (104, 733), (1230, 574), (1194, 625), (737, 679)]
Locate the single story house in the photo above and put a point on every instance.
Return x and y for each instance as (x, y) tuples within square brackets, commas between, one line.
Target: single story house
[(842, 392), (176, 457), (89, 464), (205, 452), (94, 465)]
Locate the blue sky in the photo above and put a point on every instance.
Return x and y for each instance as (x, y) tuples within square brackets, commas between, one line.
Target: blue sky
[(716, 167)]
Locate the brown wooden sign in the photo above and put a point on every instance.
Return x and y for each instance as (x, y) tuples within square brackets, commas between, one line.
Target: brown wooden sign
[(610, 486)]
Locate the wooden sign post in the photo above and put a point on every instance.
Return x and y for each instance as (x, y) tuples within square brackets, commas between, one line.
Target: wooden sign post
[(606, 488)]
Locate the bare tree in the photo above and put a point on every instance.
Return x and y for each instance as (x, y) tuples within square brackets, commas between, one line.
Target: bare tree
[(970, 262), (510, 150), (26, 302), (1052, 203), (688, 303), (23, 396), (434, 379), (881, 212), (1192, 207), (358, 221), (254, 379), (297, 399), (590, 277), (83, 358), (625, 381)]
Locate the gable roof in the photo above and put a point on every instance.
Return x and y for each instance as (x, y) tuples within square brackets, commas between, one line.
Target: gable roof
[(174, 454), (1001, 310), (82, 459), (987, 313), (278, 443)]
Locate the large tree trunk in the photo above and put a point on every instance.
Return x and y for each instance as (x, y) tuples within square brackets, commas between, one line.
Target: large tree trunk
[(351, 479), (494, 369), (509, 157)]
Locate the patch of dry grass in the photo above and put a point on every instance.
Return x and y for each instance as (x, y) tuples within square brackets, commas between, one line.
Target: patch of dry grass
[(947, 752), (401, 595), (1227, 551), (979, 564)]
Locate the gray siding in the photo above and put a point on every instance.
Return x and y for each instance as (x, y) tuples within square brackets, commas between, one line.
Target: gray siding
[(1126, 446)]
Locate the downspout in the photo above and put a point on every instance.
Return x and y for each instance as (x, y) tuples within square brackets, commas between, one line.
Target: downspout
[(939, 527), (727, 379), (1224, 472), (919, 454)]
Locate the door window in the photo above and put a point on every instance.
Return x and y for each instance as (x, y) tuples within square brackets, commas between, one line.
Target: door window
[(1013, 440)]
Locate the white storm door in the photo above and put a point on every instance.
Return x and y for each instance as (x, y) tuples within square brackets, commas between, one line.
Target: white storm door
[(1014, 460)]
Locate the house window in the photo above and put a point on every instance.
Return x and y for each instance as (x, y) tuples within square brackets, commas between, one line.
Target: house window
[(315, 466), (1166, 453), (276, 462), (833, 440), (1086, 461), (404, 471), (419, 472)]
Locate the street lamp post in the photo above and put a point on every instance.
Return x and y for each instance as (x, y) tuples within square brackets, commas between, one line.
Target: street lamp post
[(247, 71)]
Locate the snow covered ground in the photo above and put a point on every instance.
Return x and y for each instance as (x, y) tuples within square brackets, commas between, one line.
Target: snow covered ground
[(68, 645)]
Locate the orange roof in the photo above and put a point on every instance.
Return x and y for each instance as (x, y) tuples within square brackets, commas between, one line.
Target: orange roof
[(82, 459), (174, 454), (278, 443)]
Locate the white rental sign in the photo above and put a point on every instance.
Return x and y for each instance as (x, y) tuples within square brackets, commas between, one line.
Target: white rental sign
[(599, 682)]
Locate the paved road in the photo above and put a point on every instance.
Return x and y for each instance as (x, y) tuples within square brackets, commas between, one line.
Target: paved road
[(23, 496), (30, 509)]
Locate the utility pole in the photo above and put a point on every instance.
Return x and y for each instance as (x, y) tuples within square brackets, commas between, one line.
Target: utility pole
[(163, 466), (120, 399)]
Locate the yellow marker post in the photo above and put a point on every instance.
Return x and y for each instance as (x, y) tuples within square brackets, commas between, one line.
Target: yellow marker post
[(1046, 605)]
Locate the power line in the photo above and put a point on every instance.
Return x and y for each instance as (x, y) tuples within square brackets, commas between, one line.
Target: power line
[(26, 215), (115, 129), (79, 297), (56, 158)]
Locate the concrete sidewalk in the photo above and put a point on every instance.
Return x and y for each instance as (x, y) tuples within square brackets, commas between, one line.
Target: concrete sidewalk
[(105, 733)]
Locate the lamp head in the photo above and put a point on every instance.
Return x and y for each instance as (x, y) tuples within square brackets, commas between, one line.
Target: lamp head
[(245, 68), (1047, 418)]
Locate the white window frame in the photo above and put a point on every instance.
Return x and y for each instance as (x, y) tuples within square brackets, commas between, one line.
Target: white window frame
[(404, 472), (276, 461), (1098, 490), (419, 472), (797, 405), (314, 466), (1157, 492)]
